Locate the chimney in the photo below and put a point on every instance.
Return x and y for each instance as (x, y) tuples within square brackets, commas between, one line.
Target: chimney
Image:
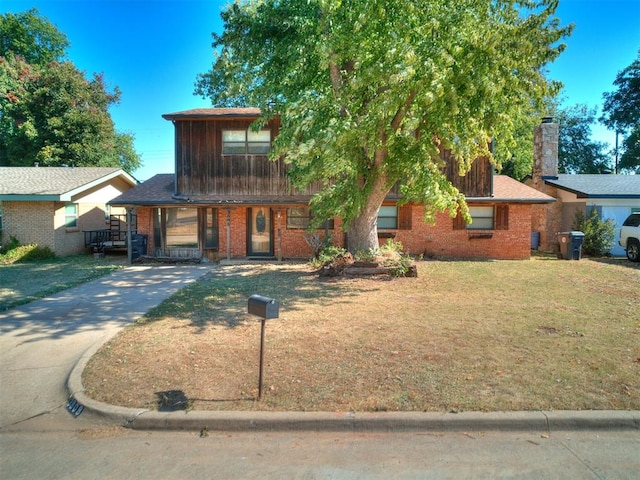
[(545, 152)]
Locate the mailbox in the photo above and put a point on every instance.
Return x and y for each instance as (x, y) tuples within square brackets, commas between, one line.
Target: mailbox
[(263, 307)]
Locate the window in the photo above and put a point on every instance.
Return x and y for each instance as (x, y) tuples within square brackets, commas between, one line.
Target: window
[(392, 217), (388, 217), (300, 218), (246, 142), (71, 215), (182, 227), (211, 228), (484, 218)]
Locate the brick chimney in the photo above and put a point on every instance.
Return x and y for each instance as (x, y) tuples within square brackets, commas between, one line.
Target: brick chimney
[(546, 219)]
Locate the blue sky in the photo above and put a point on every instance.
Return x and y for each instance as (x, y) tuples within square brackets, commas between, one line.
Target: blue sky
[(154, 49)]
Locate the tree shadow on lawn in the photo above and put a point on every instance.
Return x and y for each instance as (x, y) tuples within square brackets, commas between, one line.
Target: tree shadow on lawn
[(220, 298)]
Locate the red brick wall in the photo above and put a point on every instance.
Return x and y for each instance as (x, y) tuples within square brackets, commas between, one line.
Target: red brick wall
[(439, 240)]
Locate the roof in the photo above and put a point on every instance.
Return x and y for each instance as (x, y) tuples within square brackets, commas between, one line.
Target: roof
[(54, 183), (160, 190), (509, 190), (598, 186), (204, 113)]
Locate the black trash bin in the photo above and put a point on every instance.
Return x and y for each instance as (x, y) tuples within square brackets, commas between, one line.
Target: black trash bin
[(138, 245), (577, 239)]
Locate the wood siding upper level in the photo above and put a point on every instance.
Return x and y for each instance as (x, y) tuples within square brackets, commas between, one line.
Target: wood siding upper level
[(202, 168), (477, 182)]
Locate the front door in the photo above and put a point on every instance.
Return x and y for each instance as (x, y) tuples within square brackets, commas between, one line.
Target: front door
[(260, 241)]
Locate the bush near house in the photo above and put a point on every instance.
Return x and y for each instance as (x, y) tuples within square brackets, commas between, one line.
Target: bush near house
[(598, 234)]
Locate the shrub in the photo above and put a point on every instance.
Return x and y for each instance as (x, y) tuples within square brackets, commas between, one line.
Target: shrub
[(25, 253), (598, 234), (327, 254)]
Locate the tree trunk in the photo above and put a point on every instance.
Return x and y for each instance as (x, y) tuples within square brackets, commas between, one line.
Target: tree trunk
[(362, 232)]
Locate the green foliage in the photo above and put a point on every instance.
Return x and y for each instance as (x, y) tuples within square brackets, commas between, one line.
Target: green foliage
[(31, 37), (370, 92), (327, 254), (51, 113), (598, 234), (622, 114), (577, 152), (15, 253)]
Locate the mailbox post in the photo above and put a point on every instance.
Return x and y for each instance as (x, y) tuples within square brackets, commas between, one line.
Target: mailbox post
[(265, 308)]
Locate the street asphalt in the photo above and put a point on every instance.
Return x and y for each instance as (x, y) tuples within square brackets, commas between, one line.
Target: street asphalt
[(45, 345)]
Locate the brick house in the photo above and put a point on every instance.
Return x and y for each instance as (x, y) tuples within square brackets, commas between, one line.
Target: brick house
[(613, 196), (52, 206), (227, 199)]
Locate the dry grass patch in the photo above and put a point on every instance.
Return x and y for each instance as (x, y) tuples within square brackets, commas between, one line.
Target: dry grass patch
[(484, 336)]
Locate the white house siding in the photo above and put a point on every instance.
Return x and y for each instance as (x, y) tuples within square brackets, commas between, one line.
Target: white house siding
[(615, 209), (618, 211)]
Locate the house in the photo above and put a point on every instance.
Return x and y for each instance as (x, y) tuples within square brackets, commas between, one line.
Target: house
[(613, 196), (53, 206), (227, 199)]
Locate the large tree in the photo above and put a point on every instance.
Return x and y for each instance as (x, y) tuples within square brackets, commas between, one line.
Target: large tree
[(577, 151), (50, 113), (369, 92), (622, 114)]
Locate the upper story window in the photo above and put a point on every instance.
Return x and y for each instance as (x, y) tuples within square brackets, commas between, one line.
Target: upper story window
[(246, 142)]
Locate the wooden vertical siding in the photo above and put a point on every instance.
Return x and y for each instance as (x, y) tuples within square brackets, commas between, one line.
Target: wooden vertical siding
[(202, 169), (477, 182)]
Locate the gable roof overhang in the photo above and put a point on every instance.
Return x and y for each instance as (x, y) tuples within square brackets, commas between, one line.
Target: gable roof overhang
[(57, 184), (214, 113)]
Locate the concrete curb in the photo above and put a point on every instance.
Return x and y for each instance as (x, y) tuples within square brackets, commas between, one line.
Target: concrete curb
[(247, 421)]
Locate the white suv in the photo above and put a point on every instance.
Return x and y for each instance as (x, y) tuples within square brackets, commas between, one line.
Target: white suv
[(630, 237)]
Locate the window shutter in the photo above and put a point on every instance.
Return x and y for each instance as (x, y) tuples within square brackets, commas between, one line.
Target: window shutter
[(502, 217), (459, 223), (404, 217)]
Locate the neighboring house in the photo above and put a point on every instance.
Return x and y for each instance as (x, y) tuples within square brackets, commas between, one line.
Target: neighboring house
[(227, 199), (613, 196), (52, 206)]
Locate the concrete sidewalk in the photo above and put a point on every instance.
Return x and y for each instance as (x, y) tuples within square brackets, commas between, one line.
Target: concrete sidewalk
[(46, 344)]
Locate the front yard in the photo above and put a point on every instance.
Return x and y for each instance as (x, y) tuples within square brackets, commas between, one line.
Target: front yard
[(24, 281), (483, 336)]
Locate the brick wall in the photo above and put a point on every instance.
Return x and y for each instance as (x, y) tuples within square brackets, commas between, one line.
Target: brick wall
[(29, 222), (439, 240)]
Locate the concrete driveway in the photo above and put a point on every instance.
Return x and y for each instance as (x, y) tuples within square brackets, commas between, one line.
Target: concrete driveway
[(42, 341)]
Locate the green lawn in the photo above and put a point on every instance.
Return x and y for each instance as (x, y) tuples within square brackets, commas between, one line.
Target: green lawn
[(24, 281)]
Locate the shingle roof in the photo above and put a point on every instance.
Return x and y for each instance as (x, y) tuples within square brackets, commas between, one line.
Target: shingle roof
[(507, 189), (53, 183), (200, 113), (160, 189), (598, 186), (157, 190)]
